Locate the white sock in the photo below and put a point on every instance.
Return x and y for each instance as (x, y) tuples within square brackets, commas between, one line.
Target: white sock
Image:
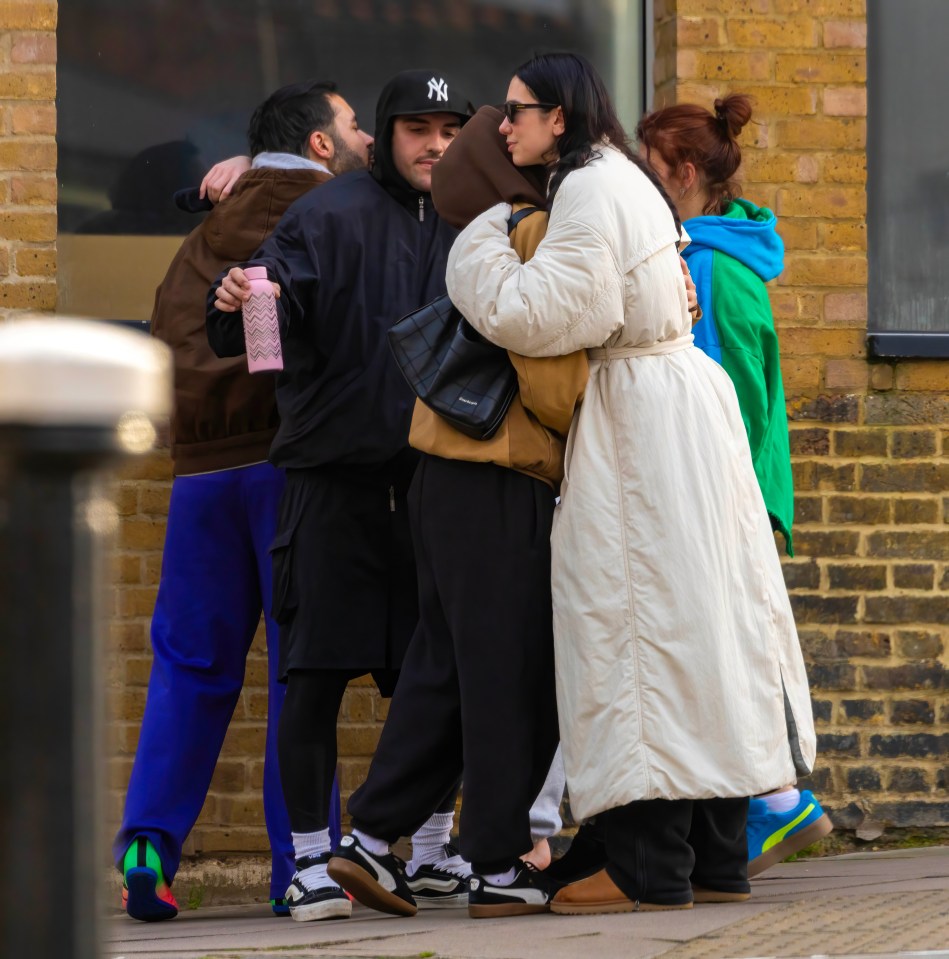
[(428, 842), (783, 801), (312, 844), (378, 847), (501, 878)]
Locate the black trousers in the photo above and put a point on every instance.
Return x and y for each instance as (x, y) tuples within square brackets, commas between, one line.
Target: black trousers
[(476, 690), (658, 849)]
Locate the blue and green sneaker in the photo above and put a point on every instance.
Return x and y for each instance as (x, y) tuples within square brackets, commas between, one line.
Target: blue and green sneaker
[(773, 836), (280, 907), (145, 894)]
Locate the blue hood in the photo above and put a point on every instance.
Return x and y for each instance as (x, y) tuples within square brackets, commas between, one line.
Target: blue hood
[(746, 232)]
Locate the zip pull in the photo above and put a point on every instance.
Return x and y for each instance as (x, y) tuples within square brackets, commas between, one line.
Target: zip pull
[(391, 499), (421, 209)]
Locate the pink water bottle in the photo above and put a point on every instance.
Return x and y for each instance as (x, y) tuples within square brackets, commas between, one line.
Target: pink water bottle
[(261, 326)]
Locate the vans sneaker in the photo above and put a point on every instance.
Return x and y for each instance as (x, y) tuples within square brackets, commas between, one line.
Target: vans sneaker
[(442, 884), (531, 891), (145, 894), (773, 836), (376, 881), (323, 902)]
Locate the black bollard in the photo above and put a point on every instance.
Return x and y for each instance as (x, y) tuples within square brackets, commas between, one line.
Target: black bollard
[(75, 397)]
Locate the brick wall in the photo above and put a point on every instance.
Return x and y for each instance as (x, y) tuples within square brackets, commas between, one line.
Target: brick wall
[(869, 442), (27, 155), (870, 581)]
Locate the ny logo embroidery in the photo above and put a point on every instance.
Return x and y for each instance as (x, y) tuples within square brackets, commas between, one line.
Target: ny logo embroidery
[(438, 89)]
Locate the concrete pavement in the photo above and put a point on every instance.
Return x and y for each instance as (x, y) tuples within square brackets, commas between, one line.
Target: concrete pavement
[(892, 903)]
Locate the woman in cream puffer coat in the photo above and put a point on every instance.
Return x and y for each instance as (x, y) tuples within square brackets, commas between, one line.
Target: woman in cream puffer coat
[(680, 682)]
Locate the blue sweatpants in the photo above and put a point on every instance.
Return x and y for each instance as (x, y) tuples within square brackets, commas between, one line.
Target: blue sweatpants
[(215, 580)]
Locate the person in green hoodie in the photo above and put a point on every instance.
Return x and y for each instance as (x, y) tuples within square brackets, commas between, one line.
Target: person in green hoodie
[(734, 251)]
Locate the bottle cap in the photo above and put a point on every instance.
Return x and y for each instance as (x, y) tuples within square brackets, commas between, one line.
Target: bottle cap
[(255, 272)]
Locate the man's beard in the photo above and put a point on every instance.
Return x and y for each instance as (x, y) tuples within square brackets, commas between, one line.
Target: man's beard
[(344, 157)]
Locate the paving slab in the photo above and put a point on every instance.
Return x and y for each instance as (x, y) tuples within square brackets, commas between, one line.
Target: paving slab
[(891, 904)]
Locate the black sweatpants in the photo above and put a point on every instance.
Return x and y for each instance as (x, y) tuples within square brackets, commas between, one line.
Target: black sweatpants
[(476, 690), (658, 849)]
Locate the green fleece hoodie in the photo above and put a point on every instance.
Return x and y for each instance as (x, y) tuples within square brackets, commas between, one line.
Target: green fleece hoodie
[(731, 257)]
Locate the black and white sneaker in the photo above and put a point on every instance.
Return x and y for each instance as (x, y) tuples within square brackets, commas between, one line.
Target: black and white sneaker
[(376, 881), (325, 902), (531, 891), (442, 884)]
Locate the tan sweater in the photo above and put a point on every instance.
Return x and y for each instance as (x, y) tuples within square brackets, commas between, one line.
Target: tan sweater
[(531, 438)]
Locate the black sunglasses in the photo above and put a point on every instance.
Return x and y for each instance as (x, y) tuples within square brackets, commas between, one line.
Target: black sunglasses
[(511, 108)]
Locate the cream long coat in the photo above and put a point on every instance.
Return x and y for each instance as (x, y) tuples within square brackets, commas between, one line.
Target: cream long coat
[(679, 673)]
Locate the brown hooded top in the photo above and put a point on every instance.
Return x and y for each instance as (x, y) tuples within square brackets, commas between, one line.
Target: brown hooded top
[(475, 174)]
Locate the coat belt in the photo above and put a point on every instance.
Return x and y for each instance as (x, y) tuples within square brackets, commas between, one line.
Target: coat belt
[(651, 349)]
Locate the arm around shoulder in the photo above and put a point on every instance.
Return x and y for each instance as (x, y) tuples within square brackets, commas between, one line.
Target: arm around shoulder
[(566, 297)]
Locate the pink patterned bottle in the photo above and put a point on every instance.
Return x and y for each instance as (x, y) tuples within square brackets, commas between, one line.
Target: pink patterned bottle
[(261, 327)]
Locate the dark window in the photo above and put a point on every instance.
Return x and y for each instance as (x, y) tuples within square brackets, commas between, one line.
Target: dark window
[(908, 177)]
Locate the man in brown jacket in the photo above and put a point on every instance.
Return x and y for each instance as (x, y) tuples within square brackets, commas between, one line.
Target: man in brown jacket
[(216, 577)]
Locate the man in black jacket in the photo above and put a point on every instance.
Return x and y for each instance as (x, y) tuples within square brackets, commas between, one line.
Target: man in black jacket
[(348, 260)]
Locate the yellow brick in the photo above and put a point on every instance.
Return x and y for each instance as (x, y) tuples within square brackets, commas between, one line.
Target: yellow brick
[(798, 234), (694, 92), (845, 33), (822, 8), (820, 67), (4, 261), (33, 190), (127, 568), (734, 8), (846, 374), (814, 342), (698, 65), (141, 534), (35, 262), (761, 166), (882, 376), (822, 134), (772, 34), (28, 227), (803, 270), (784, 101), (34, 48), (844, 168), (844, 309), (697, 31), (843, 236), (28, 295), (150, 467), (152, 565), (125, 636), (125, 496), (27, 16), (28, 86), (34, 118), (134, 601), (243, 740), (27, 155), (801, 374), (138, 670), (923, 375), (155, 500), (838, 201), (845, 101)]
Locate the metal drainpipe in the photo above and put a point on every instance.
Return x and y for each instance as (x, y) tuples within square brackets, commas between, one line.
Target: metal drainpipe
[(76, 396)]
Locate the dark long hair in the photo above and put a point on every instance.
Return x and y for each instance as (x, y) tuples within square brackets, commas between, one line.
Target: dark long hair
[(570, 80)]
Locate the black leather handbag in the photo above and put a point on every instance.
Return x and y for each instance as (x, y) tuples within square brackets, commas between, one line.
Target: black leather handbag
[(452, 368)]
